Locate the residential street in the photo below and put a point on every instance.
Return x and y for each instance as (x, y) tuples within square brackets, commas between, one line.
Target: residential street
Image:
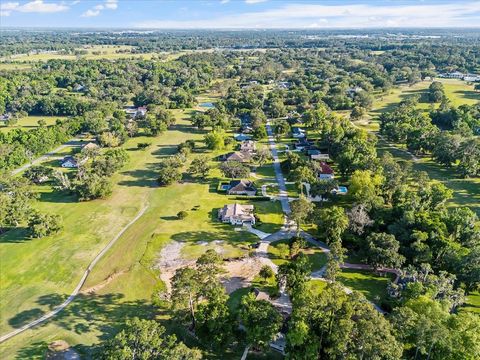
[(283, 196)]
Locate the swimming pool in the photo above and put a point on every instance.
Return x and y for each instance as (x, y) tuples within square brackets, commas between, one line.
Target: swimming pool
[(207, 105), (340, 190), (225, 187)]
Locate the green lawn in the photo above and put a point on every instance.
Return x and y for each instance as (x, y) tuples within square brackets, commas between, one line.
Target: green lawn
[(31, 121), (38, 274), (373, 286), (459, 92), (316, 256), (316, 286), (472, 303)]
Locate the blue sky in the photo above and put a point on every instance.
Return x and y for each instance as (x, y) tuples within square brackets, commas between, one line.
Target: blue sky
[(220, 14)]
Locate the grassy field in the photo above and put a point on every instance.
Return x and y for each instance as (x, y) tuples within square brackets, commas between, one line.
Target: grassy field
[(459, 92), (38, 274), (14, 66), (94, 52), (472, 303), (466, 191), (373, 286), (30, 122), (316, 257)]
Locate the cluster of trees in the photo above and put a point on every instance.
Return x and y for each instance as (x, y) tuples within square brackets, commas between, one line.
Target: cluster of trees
[(16, 196), (200, 302), (449, 134)]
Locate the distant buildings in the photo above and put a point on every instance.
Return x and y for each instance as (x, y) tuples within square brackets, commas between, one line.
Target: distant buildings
[(69, 162), (461, 76)]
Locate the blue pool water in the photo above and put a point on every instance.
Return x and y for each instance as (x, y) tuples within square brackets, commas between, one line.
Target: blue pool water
[(225, 187), (207, 105), (342, 190)]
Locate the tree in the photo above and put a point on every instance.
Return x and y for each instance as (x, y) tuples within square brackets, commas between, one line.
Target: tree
[(365, 188), (266, 272), (146, 340), (41, 225), (359, 219), (262, 156), (186, 292), (281, 128), (436, 92), (430, 330), (200, 166), (89, 186), (332, 222), (234, 169), (260, 132), (301, 209), (215, 140), (261, 320), (38, 174), (383, 251), (294, 275), (302, 174), (215, 323), (169, 172), (331, 324)]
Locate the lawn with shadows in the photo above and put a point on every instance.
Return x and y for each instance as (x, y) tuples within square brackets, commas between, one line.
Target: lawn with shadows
[(373, 286), (279, 254), (472, 303)]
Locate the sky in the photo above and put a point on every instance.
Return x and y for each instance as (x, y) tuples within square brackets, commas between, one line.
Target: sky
[(239, 14)]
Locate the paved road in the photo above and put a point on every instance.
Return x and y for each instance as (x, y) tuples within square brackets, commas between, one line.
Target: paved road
[(79, 286), (278, 171), (70, 143)]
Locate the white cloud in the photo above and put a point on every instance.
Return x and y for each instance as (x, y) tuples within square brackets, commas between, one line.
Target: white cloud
[(91, 13), (6, 8), (224, 1), (254, 1), (36, 6), (453, 14), (97, 9), (111, 4)]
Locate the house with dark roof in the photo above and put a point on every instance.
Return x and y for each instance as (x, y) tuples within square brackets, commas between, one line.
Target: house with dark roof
[(241, 156), (242, 187), (69, 162), (325, 172)]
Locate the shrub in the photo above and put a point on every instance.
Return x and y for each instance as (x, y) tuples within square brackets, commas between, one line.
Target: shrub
[(182, 215)]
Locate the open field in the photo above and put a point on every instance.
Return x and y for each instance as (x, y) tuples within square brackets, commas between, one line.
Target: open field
[(93, 52), (459, 92), (30, 122), (373, 286), (38, 274), (14, 66)]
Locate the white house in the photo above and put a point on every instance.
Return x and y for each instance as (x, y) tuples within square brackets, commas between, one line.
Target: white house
[(237, 214)]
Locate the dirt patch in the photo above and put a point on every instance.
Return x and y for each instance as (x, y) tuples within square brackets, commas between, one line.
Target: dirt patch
[(104, 283), (240, 273), (170, 260)]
